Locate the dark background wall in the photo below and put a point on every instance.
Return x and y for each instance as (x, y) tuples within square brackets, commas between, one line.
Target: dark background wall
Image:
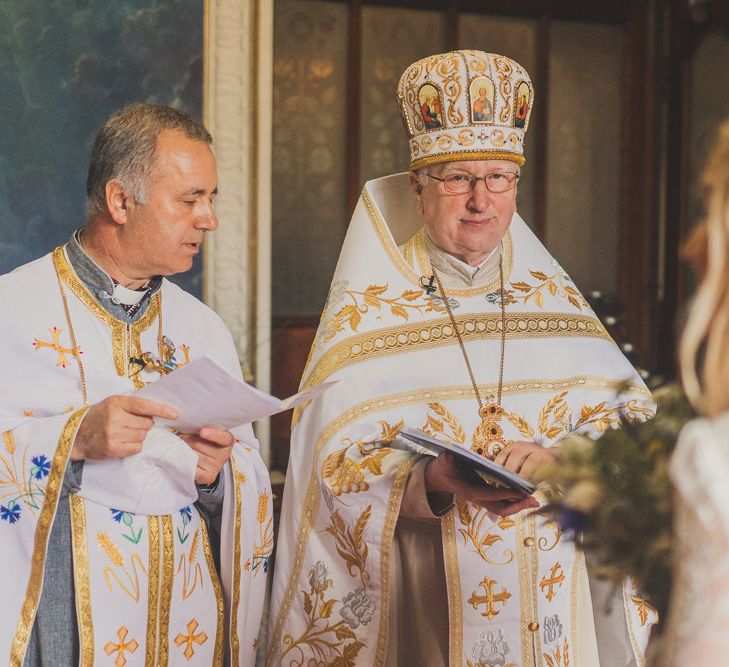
[(64, 67)]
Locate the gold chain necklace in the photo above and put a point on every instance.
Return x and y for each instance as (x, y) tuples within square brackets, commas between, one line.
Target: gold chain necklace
[(488, 440)]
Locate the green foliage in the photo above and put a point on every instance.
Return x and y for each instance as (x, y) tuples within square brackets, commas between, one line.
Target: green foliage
[(616, 494)]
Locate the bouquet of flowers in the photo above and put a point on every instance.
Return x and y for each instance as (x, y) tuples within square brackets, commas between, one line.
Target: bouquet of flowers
[(615, 495)]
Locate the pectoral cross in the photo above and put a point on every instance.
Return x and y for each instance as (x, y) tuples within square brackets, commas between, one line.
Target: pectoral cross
[(430, 286), (489, 598), (190, 639), (553, 580)]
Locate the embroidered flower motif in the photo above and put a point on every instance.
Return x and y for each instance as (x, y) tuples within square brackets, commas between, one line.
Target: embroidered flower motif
[(319, 577), (498, 295), (552, 629), (336, 293), (186, 514), (439, 304), (357, 608), (116, 515), (41, 467), (11, 513), (491, 648)]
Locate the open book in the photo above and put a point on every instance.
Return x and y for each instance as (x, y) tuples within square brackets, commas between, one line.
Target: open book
[(485, 468)]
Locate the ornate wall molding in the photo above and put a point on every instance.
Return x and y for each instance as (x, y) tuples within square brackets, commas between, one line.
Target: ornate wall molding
[(238, 82)]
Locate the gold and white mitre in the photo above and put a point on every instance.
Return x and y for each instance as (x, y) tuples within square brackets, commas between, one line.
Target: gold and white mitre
[(465, 105)]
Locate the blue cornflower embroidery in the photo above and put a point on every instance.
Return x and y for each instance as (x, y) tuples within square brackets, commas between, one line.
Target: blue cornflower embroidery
[(10, 513), (117, 515), (186, 514), (41, 467)]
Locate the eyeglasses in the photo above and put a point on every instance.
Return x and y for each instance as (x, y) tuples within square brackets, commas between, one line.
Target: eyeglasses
[(496, 182)]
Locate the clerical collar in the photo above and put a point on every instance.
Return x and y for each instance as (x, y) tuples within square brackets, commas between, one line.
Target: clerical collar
[(119, 301), (471, 275)]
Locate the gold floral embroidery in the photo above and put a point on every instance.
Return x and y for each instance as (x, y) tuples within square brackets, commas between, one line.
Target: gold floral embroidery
[(344, 474), (472, 519), (559, 657), (327, 643), (521, 424), (554, 527), (555, 418), (643, 609), (435, 425), (191, 570), (556, 284), (350, 543), (264, 544), (373, 297), (131, 586)]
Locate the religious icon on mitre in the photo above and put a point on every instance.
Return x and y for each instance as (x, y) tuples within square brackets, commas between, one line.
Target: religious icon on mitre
[(482, 94), (522, 104), (430, 106)]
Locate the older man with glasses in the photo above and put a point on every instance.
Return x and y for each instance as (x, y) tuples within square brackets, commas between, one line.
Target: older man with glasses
[(447, 315)]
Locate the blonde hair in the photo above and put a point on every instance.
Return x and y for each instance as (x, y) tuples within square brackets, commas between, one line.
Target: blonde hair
[(704, 348)]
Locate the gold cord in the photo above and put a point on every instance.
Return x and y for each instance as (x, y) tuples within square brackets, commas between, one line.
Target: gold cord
[(463, 346), (72, 334)]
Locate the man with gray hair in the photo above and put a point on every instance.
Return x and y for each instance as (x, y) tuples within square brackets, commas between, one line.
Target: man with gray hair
[(123, 540), (447, 315)]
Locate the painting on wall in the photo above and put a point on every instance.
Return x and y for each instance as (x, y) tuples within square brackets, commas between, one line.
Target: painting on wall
[(65, 66)]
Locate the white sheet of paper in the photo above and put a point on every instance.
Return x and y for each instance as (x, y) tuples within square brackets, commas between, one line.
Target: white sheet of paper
[(206, 395)]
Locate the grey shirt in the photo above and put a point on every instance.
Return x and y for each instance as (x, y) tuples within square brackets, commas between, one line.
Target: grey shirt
[(54, 638)]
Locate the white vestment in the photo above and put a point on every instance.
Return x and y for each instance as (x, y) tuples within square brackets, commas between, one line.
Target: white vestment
[(147, 590), (514, 585), (696, 633)]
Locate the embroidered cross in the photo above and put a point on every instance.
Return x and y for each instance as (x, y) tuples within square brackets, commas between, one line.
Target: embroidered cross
[(122, 646), (553, 580), (56, 345), (190, 639), (489, 598)]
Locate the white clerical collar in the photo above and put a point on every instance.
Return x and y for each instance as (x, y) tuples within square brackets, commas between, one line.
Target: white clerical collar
[(473, 270), (126, 296), (470, 270)]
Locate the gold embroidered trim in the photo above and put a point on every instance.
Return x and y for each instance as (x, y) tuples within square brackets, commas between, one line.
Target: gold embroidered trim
[(388, 533), (639, 657), (40, 539), (81, 580), (153, 589), (525, 616), (121, 358), (168, 577), (234, 639), (220, 632), (533, 588), (526, 386), (467, 155), (439, 333), (388, 243), (576, 580), (453, 584)]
